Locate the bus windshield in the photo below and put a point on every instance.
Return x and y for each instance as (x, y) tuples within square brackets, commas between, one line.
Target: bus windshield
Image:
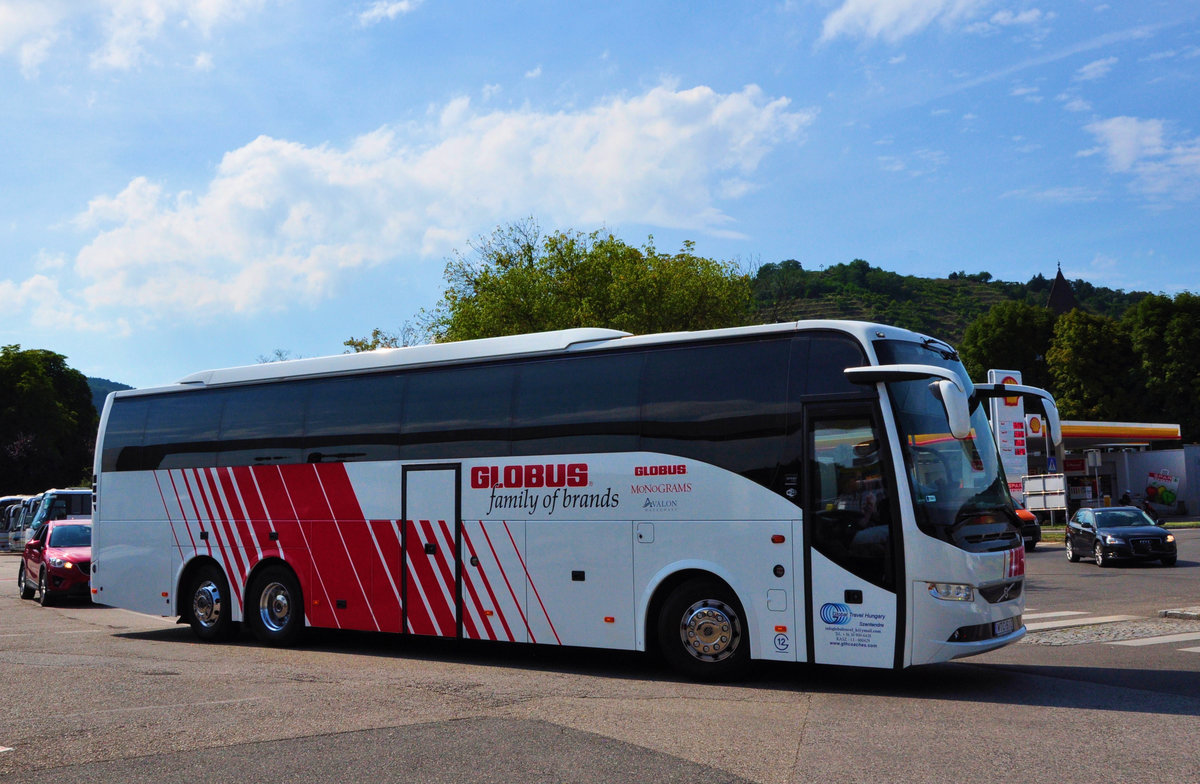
[(960, 492)]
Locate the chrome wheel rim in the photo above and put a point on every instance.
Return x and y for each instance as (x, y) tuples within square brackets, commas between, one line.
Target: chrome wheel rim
[(206, 604), (1099, 554), (275, 606), (1070, 549), (710, 630)]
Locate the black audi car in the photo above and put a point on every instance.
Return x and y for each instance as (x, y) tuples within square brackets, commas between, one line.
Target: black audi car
[(1118, 533)]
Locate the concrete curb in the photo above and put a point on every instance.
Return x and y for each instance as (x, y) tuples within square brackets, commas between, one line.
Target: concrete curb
[(1186, 613)]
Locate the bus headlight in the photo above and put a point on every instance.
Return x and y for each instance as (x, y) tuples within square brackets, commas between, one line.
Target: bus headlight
[(952, 592)]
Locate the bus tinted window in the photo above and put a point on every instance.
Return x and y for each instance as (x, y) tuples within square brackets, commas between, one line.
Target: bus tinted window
[(354, 418), (182, 430), (581, 404), (723, 404), (457, 412), (123, 435), (263, 424), (828, 356)]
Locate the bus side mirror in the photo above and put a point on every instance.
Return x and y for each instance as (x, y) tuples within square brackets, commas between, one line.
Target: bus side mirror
[(1053, 423), (958, 408)]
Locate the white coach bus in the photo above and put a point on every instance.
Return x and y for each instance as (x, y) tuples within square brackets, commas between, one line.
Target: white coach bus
[(821, 491)]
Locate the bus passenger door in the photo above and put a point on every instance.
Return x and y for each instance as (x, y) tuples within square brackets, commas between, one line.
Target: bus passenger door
[(852, 536), (430, 510)]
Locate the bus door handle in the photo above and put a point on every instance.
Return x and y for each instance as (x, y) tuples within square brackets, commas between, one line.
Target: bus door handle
[(430, 548), (854, 596)]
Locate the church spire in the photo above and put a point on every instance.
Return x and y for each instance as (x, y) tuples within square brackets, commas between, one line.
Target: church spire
[(1062, 298)]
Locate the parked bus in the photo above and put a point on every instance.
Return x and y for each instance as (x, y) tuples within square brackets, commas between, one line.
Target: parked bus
[(819, 491)]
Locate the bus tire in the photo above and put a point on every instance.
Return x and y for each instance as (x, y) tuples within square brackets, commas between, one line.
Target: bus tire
[(702, 631), (210, 605), (275, 606)]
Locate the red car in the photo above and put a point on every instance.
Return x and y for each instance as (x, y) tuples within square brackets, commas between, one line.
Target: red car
[(57, 561)]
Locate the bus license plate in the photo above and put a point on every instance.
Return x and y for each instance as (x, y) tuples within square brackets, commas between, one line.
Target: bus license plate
[(1004, 627)]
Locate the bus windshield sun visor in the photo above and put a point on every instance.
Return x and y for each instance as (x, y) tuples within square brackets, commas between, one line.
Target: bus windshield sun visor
[(947, 388), (1053, 423)]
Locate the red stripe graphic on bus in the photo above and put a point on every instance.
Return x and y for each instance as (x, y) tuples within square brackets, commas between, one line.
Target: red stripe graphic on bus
[(520, 604), (437, 599), (337, 533), (239, 521), (386, 579), (487, 586), (219, 519), (170, 520), (281, 513)]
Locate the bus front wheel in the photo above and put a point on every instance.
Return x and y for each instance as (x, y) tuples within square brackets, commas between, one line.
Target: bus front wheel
[(275, 607), (211, 606), (701, 631)]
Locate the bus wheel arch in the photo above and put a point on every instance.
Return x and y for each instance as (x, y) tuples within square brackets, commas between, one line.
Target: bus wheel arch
[(698, 625), (274, 608), (205, 600)]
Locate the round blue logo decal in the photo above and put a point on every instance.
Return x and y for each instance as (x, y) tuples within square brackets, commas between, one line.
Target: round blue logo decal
[(835, 614)]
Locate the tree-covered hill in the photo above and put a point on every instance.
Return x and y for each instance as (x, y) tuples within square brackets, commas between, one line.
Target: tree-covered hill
[(940, 307), (100, 388)]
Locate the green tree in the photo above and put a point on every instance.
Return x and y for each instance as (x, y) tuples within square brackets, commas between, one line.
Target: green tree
[(1011, 336), (1163, 335), (518, 281), (47, 422), (1092, 368)]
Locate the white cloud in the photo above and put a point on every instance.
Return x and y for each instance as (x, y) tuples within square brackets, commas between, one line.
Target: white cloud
[(387, 9), (1073, 103), (1097, 69), (893, 20), (282, 221), (40, 301), (533, 73), (1160, 167), (124, 28), (1030, 94), (1031, 17)]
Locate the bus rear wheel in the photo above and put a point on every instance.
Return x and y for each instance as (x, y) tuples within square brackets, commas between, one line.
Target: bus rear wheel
[(275, 606), (701, 631), (210, 607)]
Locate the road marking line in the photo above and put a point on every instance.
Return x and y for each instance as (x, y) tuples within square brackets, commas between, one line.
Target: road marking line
[(1034, 627), (1183, 637), (1190, 650), (4, 749), (1057, 614)]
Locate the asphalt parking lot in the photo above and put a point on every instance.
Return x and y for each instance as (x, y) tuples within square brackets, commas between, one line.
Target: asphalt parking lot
[(99, 694)]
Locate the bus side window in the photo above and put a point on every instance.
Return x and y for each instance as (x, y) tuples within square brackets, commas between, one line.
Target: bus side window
[(457, 413)]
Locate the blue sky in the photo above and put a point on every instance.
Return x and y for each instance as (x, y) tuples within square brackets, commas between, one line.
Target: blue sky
[(189, 184)]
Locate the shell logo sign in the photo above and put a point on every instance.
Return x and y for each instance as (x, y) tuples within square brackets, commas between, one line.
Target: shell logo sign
[(1010, 401)]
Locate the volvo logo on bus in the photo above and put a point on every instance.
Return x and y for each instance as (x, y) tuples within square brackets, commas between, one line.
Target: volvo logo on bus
[(835, 614), (533, 475)]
